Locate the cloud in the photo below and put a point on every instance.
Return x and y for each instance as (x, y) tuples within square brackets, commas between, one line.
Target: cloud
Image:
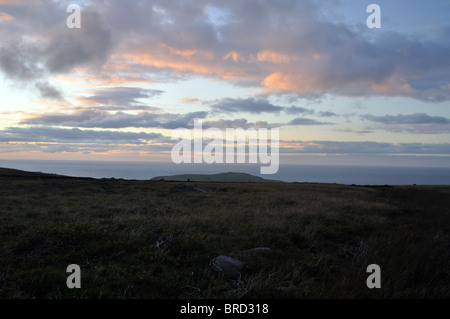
[(106, 119), (250, 105), (418, 123), (5, 17), (327, 114), (54, 140), (276, 46), (118, 108), (366, 147), (294, 110), (287, 47), (88, 46), (17, 62), (120, 96), (47, 91), (47, 47), (236, 123), (96, 118), (305, 122), (189, 100), (74, 135), (418, 118), (255, 106)]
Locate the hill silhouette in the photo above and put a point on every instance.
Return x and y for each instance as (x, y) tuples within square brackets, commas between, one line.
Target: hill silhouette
[(229, 177)]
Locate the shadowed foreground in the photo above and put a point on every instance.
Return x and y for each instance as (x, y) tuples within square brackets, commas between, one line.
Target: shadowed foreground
[(151, 239)]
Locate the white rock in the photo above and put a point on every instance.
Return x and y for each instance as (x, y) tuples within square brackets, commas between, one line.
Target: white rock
[(227, 265)]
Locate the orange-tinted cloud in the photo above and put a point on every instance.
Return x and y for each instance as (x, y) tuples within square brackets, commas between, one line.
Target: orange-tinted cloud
[(274, 57), (391, 86), (233, 55), (10, 1), (6, 17), (198, 66), (285, 82), (275, 46)]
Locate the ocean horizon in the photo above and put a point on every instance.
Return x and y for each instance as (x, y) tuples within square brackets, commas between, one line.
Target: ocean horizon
[(359, 175)]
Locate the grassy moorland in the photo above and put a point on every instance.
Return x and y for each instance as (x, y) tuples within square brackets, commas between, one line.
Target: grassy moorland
[(150, 239)]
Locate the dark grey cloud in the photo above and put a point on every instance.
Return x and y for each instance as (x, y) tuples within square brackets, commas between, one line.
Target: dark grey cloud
[(183, 121), (120, 96), (327, 114), (284, 46), (74, 135), (255, 106), (56, 49), (119, 108), (99, 118), (250, 105), (88, 46), (47, 91), (18, 63), (294, 110), (236, 123), (418, 123), (106, 119), (367, 147), (102, 119), (305, 121), (417, 118), (64, 119)]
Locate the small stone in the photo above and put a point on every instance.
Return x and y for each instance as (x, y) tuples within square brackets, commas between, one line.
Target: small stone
[(227, 265)]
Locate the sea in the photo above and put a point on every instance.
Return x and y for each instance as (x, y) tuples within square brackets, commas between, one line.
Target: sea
[(349, 175)]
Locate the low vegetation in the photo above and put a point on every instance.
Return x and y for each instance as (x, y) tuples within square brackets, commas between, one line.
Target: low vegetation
[(151, 239)]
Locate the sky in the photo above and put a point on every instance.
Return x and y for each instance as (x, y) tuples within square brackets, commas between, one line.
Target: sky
[(116, 88)]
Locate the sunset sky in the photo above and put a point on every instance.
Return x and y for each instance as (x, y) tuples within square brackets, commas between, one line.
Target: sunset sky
[(116, 88)]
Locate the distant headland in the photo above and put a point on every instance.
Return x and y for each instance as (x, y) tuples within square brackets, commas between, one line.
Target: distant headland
[(229, 177)]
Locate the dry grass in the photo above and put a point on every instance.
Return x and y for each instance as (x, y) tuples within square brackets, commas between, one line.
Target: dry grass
[(139, 239)]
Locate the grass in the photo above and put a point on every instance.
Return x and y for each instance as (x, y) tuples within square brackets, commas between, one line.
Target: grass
[(321, 237)]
